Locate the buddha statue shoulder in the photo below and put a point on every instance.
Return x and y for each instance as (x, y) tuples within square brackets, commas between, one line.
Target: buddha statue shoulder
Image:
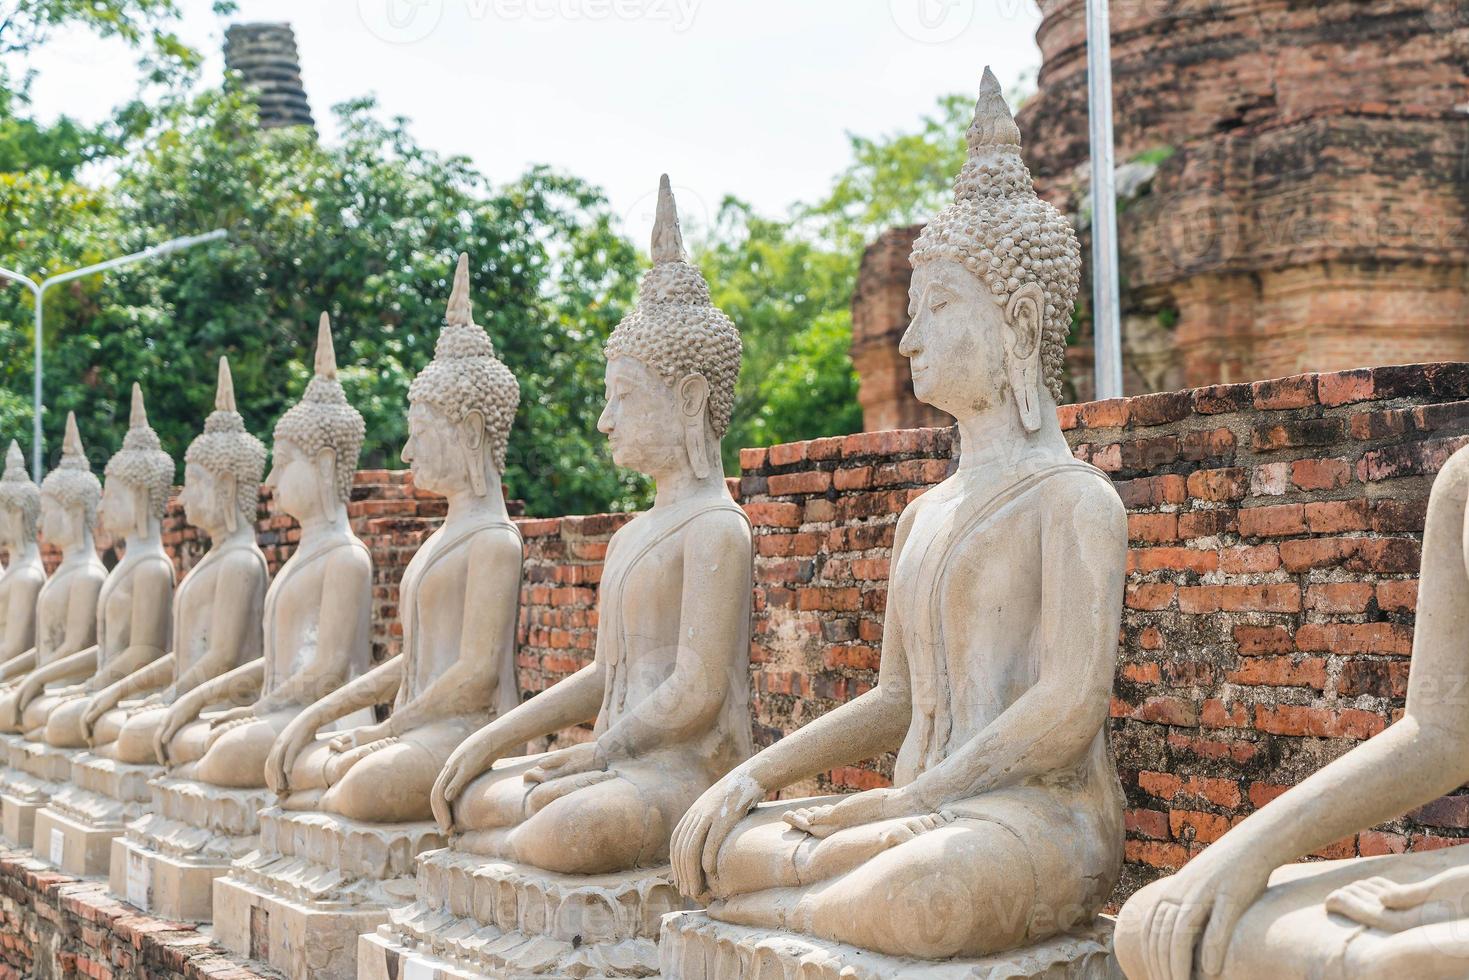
[(668, 688), (66, 605), (317, 611), (20, 517), (135, 605), (459, 601), (1242, 909), (217, 609), (1004, 821)]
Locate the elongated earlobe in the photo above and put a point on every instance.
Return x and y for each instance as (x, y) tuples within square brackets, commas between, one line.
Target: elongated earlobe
[(1023, 321), (693, 401), (140, 512), (228, 497), (472, 439), (326, 471)]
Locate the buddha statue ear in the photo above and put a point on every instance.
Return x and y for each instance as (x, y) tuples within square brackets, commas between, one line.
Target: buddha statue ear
[(141, 500), (472, 440), (1023, 357), (326, 480), (226, 493), (693, 405)]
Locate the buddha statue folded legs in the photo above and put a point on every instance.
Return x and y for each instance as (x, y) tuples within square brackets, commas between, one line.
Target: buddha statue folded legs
[(315, 638), (345, 799), (1002, 834), (1240, 909), (586, 827)]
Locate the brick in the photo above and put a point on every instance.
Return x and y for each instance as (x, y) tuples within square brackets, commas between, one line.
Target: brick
[(1152, 491), (1336, 516), (1375, 843), (1163, 855), (1215, 713), (1280, 672), (1193, 826), (1152, 528), (1290, 719), (1108, 414), (753, 460), (1283, 597), (1172, 559), (1250, 559), (1297, 434), (788, 454), (1340, 597), (1149, 454), (1275, 521), (1399, 596), (1161, 408), (1256, 641), (1294, 392), (1068, 416), (1146, 823), (1345, 387), (1208, 523), (1152, 596), (1220, 485), (1350, 638), (1210, 749), (1447, 811), (1375, 678), (809, 481), (1198, 445), (1320, 474), (1270, 480), (1220, 399)]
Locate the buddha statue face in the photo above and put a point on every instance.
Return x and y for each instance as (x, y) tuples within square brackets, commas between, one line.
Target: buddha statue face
[(440, 453), (645, 417), (967, 351), (62, 525), (12, 527), (124, 508), (206, 503), (305, 485)]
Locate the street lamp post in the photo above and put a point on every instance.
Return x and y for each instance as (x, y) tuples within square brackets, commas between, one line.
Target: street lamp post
[(38, 292), (1106, 301)]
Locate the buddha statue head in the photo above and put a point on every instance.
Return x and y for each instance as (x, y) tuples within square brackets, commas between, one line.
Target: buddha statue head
[(316, 442), (461, 405), (995, 276), (672, 363), (70, 494), (223, 467), (139, 478), (20, 503)]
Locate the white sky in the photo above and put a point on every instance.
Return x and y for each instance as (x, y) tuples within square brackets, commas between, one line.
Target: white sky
[(750, 97)]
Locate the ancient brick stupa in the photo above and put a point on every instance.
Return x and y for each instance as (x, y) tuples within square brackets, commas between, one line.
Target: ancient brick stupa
[(265, 56)]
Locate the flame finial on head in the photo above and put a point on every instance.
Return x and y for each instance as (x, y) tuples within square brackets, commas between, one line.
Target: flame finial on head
[(326, 352), (72, 482), (993, 126), (15, 464), (73, 453), (667, 235), (138, 416), (224, 388), (461, 311), (141, 462)]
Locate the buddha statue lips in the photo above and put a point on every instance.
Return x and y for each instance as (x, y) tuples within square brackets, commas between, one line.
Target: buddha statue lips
[(1004, 824), (459, 599), (215, 624), (668, 687)]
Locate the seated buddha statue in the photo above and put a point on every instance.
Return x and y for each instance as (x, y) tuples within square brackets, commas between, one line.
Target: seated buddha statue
[(1241, 909), (316, 616), (135, 605), (1004, 821), (20, 515), (459, 602), (66, 605), (218, 606), (667, 690)]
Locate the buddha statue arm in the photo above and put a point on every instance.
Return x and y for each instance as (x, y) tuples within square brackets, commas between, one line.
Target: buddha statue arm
[(716, 575), (237, 686), (1053, 724), (234, 621), (571, 702), (148, 678), (18, 666), (491, 604), (347, 585), (81, 615), (20, 624), (72, 667), (151, 613), (374, 687)]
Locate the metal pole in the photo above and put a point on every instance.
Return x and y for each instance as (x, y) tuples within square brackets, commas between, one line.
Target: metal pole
[(38, 290), (1106, 300)]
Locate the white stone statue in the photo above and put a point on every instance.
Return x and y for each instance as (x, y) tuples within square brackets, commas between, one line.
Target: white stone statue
[(316, 637), (1001, 837), (346, 799), (219, 604), (20, 516), (588, 826), (135, 606), (1241, 909)]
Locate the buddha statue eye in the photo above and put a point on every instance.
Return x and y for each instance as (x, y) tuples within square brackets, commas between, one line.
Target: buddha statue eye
[(938, 305)]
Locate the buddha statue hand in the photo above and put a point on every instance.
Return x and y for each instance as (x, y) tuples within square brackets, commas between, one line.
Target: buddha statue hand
[(582, 758), (1392, 906), (1198, 909), (288, 746), (366, 735), (234, 714), (703, 830), (474, 756), (858, 809)]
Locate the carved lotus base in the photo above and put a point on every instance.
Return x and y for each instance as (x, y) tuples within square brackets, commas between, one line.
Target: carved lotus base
[(696, 947), (36, 771), (74, 831), (479, 918), (167, 860), (315, 883)]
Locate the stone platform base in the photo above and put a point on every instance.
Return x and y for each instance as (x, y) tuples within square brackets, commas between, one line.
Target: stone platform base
[(478, 917), (73, 847), (167, 861), (87, 814), (35, 772), (315, 884), (18, 820), (695, 947)]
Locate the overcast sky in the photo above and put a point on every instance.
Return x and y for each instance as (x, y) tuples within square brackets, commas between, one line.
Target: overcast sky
[(750, 97)]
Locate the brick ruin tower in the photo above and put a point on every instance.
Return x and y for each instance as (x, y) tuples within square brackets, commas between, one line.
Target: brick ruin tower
[(265, 55), (1293, 183)]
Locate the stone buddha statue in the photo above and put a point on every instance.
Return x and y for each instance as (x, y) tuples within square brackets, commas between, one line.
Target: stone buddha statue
[(459, 599), (1003, 828), (66, 606), (134, 607), (317, 611), (1241, 909), (668, 690), (20, 514), (218, 606), (338, 851)]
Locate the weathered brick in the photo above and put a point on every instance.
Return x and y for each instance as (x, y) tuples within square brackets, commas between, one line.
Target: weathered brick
[(1294, 392), (1221, 484)]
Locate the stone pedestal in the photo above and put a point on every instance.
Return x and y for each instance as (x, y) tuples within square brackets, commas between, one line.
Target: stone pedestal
[(35, 772), (316, 882), (84, 816), (695, 947), (168, 859), (476, 917)]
